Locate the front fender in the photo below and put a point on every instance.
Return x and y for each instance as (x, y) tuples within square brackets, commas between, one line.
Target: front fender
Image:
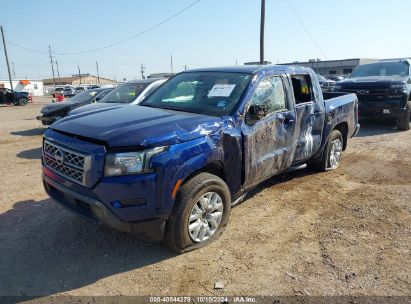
[(180, 161)]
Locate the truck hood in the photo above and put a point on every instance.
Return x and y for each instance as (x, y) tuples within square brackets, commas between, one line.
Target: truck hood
[(374, 80), (93, 107), (53, 107), (133, 125)]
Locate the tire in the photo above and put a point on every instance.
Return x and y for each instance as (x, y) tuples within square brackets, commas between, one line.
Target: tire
[(190, 198), (403, 123), (22, 101), (335, 141)]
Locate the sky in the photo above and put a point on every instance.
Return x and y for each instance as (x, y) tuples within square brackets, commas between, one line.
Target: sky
[(210, 33)]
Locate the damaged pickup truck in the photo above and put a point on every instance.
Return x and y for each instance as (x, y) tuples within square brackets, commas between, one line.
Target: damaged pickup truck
[(172, 167)]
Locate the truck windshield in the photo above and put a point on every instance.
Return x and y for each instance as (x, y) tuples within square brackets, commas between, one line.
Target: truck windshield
[(83, 96), (381, 69), (209, 93), (124, 93)]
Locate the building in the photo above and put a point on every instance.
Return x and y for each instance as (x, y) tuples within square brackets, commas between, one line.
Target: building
[(160, 75), (33, 87), (256, 62), (333, 67), (76, 80)]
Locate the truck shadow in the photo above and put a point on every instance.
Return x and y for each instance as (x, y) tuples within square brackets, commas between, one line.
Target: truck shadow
[(30, 132), (47, 250), (278, 179), (30, 154), (373, 128)]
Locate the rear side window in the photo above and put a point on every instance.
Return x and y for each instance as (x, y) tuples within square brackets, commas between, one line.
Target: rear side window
[(302, 88)]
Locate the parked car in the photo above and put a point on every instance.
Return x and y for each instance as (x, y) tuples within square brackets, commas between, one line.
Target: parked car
[(54, 111), (132, 92), (79, 90), (383, 89), (13, 97), (326, 84), (337, 78), (171, 167), (68, 92), (59, 90)]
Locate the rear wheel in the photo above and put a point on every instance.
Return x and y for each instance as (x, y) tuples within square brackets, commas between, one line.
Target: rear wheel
[(403, 123), (332, 154), (201, 212), (21, 101)]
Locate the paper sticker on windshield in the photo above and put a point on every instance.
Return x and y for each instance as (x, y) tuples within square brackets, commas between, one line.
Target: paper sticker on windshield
[(221, 90)]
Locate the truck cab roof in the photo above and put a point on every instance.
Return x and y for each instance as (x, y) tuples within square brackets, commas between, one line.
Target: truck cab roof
[(256, 69)]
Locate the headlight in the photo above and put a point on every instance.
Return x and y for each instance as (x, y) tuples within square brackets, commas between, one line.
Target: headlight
[(130, 162), (398, 86)]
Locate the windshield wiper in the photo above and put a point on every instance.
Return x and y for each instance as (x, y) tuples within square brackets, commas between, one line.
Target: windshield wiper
[(170, 108)]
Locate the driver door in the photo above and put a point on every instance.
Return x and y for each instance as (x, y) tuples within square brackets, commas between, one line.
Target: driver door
[(269, 136)]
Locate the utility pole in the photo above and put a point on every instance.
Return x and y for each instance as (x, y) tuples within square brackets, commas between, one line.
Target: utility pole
[(14, 72), (58, 72), (236, 63), (142, 68), (52, 67), (98, 75), (171, 63), (7, 57), (262, 22), (79, 73)]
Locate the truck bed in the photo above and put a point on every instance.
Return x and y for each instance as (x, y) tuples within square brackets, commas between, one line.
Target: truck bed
[(341, 107)]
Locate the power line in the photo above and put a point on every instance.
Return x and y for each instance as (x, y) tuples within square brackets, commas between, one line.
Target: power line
[(25, 48), (305, 28), (111, 44), (134, 36)]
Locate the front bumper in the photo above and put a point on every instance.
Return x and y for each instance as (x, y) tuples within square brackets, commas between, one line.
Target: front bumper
[(357, 129), (95, 210), (390, 108), (46, 120)]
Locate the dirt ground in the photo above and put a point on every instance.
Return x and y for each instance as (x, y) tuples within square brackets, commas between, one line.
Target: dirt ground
[(345, 232)]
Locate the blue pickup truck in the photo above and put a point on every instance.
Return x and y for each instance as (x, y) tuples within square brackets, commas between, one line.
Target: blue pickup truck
[(172, 167)]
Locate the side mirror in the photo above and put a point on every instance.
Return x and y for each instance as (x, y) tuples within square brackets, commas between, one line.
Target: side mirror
[(255, 113), (258, 111)]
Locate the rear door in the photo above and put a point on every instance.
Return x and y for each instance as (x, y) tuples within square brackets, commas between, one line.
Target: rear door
[(268, 142), (310, 116)]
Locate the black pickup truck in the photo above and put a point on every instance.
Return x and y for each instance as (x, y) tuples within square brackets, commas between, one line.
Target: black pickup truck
[(8, 96), (383, 90)]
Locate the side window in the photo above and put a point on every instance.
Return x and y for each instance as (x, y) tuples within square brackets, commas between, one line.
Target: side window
[(270, 93), (302, 88)]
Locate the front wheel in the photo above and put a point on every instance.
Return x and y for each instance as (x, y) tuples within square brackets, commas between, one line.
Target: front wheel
[(332, 154), (22, 101), (403, 123), (200, 214)]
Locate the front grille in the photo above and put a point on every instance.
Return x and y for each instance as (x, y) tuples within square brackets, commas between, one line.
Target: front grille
[(369, 94), (71, 164)]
